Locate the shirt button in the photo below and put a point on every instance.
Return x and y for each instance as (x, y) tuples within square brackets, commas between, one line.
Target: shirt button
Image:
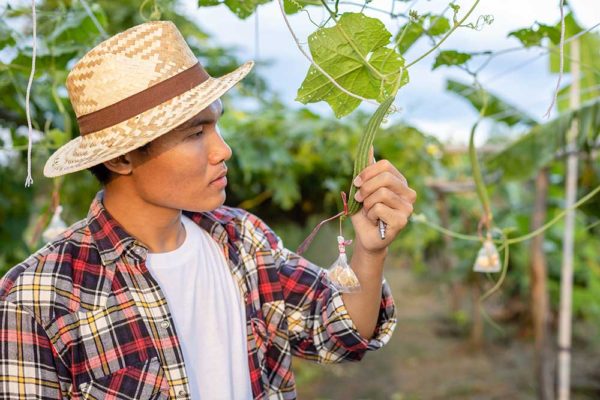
[(182, 393), (165, 324)]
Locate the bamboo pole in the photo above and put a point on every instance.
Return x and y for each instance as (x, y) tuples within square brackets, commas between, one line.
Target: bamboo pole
[(566, 279)]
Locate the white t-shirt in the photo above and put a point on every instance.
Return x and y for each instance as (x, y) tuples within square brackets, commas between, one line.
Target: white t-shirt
[(209, 315)]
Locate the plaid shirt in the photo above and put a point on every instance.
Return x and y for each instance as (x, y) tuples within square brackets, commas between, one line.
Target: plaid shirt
[(83, 318)]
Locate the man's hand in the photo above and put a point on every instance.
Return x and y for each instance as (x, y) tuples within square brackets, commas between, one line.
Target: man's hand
[(384, 194)]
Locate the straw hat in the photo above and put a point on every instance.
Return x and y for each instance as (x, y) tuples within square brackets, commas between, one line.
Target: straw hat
[(132, 88)]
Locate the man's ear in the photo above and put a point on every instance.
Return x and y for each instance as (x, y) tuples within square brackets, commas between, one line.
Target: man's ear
[(120, 165)]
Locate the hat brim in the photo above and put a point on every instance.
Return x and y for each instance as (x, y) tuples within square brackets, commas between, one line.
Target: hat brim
[(94, 148)]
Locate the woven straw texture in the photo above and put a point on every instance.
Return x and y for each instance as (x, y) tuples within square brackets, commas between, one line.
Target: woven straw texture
[(120, 67)]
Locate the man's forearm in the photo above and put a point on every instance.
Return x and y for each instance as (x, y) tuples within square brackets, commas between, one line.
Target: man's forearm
[(363, 306)]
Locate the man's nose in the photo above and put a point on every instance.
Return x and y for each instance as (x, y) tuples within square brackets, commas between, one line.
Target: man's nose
[(220, 149)]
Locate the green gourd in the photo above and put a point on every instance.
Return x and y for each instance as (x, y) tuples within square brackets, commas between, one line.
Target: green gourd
[(362, 155)]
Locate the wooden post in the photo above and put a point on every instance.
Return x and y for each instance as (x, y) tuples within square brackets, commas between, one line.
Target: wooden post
[(449, 261), (566, 278), (477, 323), (540, 309)]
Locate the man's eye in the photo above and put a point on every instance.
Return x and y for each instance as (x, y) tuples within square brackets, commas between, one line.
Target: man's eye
[(196, 134)]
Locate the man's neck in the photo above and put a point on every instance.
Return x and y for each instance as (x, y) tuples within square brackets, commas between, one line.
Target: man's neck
[(159, 228)]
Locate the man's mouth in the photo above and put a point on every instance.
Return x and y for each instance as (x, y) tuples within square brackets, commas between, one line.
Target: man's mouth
[(221, 179)]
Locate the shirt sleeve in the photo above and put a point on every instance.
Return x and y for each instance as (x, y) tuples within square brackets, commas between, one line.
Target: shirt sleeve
[(320, 327), (27, 360)]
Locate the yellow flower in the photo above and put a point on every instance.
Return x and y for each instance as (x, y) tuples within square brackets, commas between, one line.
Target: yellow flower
[(433, 150)]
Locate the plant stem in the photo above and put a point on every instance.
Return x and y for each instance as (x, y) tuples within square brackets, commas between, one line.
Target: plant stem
[(428, 52), (446, 231), (518, 239), (477, 177), (557, 218)]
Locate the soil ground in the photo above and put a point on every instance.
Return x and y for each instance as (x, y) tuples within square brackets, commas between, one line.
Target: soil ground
[(420, 362)]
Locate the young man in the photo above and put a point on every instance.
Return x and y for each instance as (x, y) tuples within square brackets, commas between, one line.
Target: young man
[(163, 292)]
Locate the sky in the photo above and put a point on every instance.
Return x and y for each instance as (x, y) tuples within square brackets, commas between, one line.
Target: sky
[(520, 77)]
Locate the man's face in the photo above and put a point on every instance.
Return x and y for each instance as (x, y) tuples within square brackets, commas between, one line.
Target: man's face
[(180, 168)]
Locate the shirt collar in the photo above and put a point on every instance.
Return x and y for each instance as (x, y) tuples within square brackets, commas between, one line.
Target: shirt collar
[(110, 237), (112, 240)]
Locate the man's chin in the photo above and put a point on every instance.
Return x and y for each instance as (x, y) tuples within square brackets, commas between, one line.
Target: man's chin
[(207, 206)]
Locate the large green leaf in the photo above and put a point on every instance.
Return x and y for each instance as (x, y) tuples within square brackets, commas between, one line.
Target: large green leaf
[(536, 149), (496, 108), (341, 51)]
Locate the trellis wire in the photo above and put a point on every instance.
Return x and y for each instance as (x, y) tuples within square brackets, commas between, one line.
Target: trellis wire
[(29, 180)]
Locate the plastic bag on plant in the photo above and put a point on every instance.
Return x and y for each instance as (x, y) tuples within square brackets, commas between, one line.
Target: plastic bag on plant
[(488, 259), (340, 274)]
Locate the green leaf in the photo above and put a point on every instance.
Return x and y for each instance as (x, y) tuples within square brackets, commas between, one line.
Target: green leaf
[(294, 6), (291, 6), (79, 28), (527, 155), (57, 138), (438, 25), (209, 3), (410, 33), (451, 57), (498, 109), (533, 36), (6, 35), (428, 24), (341, 51), (286, 192), (242, 8)]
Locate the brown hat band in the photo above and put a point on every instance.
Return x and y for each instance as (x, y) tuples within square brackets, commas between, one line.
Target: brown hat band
[(142, 101)]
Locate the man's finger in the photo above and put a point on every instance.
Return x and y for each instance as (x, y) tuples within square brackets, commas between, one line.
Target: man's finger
[(388, 180), (386, 196), (375, 169), (394, 219)]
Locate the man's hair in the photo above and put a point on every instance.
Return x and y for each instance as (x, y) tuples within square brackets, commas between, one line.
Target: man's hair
[(104, 175)]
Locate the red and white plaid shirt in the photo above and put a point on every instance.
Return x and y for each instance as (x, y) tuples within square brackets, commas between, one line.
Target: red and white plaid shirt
[(83, 318)]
